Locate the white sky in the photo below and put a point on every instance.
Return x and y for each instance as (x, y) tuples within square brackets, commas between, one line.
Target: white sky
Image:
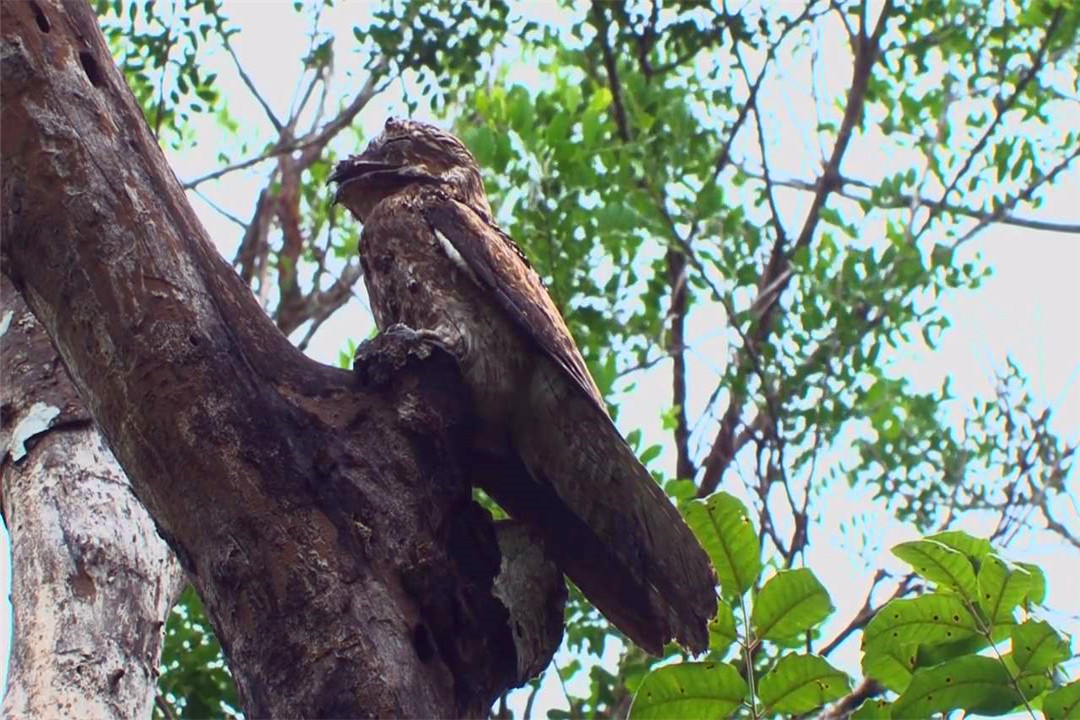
[(1029, 309)]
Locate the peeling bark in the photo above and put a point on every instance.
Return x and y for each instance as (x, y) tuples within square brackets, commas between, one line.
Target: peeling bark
[(325, 522), (92, 583)]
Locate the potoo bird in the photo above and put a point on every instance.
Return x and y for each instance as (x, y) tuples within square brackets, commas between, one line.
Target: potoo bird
[(435, 261)]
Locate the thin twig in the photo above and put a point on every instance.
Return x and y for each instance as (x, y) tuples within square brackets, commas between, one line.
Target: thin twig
[(904, 200), (246, 79)]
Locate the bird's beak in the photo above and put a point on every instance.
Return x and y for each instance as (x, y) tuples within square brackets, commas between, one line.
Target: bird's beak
[(360, 170), (357, 169)]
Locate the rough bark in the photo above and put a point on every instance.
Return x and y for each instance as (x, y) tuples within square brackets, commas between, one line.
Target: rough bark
[(92, 582), (326, 522)]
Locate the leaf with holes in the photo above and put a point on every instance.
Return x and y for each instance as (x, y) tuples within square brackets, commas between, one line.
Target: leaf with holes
[(723, 527), (1063, 703), (1035, 647), (891, 665), (974, 683), (1001, 588), (801, 683), (873, 710), (938, 562), (790, 603), (931, 618), (689, 690), (722, 631)]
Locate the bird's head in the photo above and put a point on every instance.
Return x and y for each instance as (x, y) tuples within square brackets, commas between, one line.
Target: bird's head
[(408, 153)]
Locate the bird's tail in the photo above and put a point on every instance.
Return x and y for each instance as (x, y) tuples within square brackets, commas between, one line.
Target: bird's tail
[(618, 537)]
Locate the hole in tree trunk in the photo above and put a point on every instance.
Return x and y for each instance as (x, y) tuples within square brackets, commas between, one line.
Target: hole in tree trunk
[(39, 16), (90, 67)]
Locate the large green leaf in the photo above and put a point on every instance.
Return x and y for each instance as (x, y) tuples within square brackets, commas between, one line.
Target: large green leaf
[(724, 528), (975, 548), (1035, 647), (973, 683), (801, 683), (1001, 588), (931, 618), (722, 632), (938, 562), (791, 602), (891, 665), (1063, 703), (689, 690)]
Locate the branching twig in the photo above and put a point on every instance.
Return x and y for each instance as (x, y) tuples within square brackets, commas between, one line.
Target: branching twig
[(246, 79), (722, 451), (1000, 108), (905, 200)]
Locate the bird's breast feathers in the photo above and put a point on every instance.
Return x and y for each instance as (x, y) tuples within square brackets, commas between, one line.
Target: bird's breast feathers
[(416, 276)]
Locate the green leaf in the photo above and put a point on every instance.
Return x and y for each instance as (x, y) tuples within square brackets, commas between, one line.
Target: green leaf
[(938, 562), (1063, 703), (934, 618), (1002, 588), (724, 529), (689, 690), (891, 665), (1036, 646), (873, 710), (1037, 593), (973, 683), (975, 548), (801, 683), (651, 453), (722, 632), (791, 602), (936, 654)]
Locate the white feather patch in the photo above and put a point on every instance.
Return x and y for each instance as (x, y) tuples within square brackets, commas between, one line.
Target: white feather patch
[(454, 255)]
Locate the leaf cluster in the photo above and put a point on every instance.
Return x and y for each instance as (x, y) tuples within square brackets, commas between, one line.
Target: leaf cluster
[(934, 653)]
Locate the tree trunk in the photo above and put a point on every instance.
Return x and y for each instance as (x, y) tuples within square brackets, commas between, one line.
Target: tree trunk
[(92, 582), (324, 520)]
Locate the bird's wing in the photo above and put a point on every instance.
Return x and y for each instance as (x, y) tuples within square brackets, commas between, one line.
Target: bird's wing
[(497, 262), (616, 533)]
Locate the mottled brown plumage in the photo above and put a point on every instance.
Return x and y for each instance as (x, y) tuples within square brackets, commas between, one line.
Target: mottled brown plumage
[(435, 261)]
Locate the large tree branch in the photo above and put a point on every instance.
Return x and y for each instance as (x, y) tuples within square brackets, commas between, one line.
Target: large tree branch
[(325, 522), (92, 583)]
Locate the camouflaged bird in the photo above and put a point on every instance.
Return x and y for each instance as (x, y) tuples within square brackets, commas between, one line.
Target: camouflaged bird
[(435, 261)]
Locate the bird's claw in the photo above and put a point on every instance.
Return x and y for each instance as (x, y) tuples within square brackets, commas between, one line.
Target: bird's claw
[(376, 358), (408, 334)]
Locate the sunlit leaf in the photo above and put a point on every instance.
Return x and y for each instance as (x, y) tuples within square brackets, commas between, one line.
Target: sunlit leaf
[(1063, 703), (1001, 588), (724, 529), (973, 683), (722, 631), (689, 690), (790, 602), (928, 619), (890, 665), (940, 563), (1036, 646), (801, 683)]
